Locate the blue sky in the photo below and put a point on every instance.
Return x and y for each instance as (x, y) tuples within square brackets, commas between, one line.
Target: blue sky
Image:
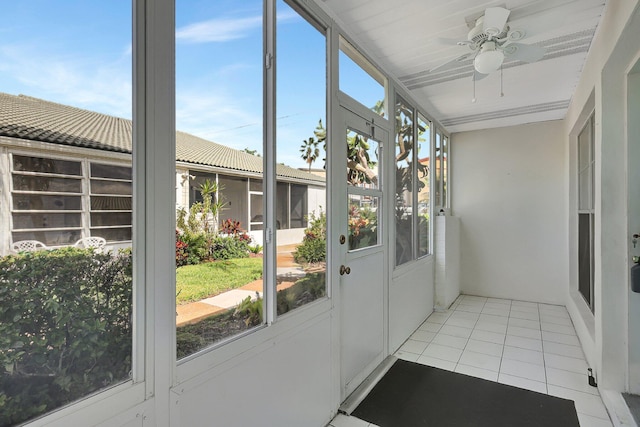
[(78, 53)]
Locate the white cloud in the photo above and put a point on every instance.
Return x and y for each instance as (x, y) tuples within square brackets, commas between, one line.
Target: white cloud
[(219, 118), (76, 80), (218, 30)]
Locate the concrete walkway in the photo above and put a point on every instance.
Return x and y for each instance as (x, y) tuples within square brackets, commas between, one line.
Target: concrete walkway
[(288, 271)]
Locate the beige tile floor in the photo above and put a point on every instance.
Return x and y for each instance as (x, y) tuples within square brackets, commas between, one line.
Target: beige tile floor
[(523, 344)]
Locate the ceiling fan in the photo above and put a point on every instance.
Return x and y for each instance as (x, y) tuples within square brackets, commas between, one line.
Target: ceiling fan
[(491, 41)]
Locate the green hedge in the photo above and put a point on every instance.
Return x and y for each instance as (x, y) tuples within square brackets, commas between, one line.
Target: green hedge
[(65, 328)]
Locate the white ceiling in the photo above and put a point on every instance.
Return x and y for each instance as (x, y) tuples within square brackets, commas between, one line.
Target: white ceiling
[(405, 38)]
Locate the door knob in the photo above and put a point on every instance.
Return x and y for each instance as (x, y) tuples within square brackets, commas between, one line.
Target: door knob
[(344, 270)]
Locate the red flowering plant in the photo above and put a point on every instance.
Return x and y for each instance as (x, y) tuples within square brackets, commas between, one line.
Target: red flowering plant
[(182, 255), (363, 222), (232, 228)]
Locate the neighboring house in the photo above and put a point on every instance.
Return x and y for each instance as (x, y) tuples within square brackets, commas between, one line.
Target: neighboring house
[(65, 173)]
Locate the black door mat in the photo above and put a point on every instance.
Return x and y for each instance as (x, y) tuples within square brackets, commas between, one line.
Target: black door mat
[(414, 395)]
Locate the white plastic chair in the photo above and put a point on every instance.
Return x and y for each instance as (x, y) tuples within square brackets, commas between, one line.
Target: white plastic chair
[(27, 246), (94, 242)]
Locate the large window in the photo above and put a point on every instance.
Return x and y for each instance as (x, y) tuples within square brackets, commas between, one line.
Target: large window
[(300, 140), (48, 195), (360, 79), (46, 200), (111, 201), (412, 183), (441, 170), (237, 219), (65, 153), (405, 182), (423, 182), (219, 119), (586, 211)]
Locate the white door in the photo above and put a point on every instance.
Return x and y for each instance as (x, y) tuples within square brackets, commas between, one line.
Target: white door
[(362, 254)]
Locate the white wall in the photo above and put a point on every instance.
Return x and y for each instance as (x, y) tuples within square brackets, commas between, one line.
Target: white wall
[(317, 200), (612, 52), (510, 200), (410, 300), (634, 223), (447, 265), (279, 383)]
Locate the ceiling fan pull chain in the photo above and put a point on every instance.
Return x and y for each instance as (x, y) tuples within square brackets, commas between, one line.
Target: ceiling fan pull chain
[(474, 89), (501, 90)]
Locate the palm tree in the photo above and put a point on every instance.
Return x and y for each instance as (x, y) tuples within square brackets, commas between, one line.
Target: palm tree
[(310, 151)]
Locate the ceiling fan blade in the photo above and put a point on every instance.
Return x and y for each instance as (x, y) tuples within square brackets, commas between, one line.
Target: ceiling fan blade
[(523, 52), (453, 61), (495, 18)]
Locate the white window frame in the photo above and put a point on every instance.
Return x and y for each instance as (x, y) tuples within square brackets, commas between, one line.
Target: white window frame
[(589, 209), (90, 210), (81, 195)]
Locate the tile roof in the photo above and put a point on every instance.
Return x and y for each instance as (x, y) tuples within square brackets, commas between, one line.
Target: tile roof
[(35, 119)]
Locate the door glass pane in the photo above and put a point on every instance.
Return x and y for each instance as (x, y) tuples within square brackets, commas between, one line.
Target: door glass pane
[(423, 184), (363, 221), (219, 119), (66, 313), (404, 178), (362, 160), (301, 152)]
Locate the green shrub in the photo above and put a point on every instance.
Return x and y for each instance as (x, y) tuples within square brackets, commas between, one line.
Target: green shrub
[(65, 328), (317, 228), (311, 251), (313, 248), (197, 249), (229, 247)]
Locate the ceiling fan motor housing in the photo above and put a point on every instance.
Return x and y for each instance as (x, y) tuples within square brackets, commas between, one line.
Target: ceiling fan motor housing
[(478, 36)]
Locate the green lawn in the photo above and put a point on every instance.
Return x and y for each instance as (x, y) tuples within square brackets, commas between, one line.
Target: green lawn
[(195, 282)]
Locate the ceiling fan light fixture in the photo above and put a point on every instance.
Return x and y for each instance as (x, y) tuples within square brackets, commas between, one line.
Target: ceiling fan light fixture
[(489, 59)]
